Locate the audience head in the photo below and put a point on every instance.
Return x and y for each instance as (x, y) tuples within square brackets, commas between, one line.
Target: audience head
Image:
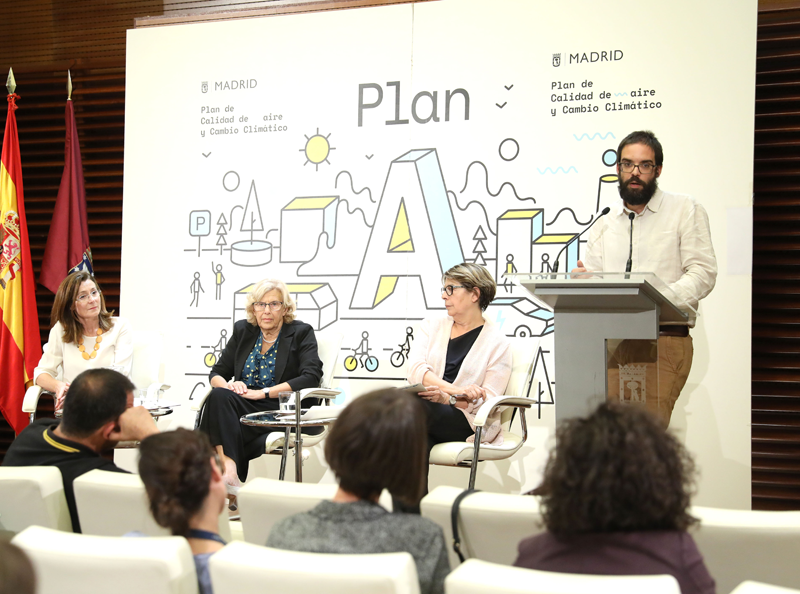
[(646, 138), (97, 398), (65, 305), (258, 294), (180, 471), (473, 276), (16, 570), (378, 442), (616, 470)]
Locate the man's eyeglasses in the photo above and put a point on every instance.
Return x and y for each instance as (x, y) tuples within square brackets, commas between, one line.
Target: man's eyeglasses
[(629, 166), (273, 305), (449, 289), (83, 297)]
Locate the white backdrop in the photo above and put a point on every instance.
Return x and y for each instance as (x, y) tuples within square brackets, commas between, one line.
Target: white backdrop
[(356, 154)]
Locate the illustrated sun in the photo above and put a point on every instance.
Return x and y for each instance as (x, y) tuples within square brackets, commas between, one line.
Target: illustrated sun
[(317, 149)]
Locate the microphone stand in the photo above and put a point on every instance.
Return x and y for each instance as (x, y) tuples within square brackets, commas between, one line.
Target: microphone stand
[(629, 264), (603, 212)]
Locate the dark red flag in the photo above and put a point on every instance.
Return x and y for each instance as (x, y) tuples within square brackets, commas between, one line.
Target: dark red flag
[(68, 242)]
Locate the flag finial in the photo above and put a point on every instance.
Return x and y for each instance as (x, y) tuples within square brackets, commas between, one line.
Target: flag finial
[(11, 84), (69, 86)]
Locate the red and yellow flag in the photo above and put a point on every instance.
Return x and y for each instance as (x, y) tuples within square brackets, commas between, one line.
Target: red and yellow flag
[(20, 345)]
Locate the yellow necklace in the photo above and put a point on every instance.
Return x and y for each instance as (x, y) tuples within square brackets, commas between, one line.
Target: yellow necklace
[(97, 342)]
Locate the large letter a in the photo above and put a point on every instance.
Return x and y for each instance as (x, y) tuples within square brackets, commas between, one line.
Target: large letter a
[(414, 213)]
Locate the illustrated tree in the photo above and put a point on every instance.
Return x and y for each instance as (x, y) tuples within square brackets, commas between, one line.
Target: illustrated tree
[(479, 249), (221, 232), (251, 221)]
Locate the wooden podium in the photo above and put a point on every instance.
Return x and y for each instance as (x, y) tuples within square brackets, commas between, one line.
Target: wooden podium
[(603, 320)]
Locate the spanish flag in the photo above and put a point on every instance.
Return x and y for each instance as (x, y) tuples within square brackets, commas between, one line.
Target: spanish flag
[(20, 345)]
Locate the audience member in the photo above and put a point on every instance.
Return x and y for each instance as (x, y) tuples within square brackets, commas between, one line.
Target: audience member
[(97, 415), (16, 570), (615, 501), (183, 477), (378, 442)]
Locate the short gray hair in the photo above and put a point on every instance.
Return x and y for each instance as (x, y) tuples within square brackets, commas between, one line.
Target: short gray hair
[(258, 292)]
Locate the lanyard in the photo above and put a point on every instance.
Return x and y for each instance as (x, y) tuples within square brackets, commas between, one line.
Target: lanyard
[(205, 535)]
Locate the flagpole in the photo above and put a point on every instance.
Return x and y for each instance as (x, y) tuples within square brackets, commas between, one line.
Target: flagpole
[(69, 86)]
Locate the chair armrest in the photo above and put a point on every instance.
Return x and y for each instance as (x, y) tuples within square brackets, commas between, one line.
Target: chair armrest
[(198, 404), (325, 393), (490, 405), (31, 399)]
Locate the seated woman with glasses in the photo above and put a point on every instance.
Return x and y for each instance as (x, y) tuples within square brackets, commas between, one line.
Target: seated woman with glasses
[(84, 336), (378, 442), (462, 359), (183, 478), (615, 501), (270, 352)]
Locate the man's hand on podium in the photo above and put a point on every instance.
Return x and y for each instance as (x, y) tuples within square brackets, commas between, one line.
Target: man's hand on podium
[(576, 272)]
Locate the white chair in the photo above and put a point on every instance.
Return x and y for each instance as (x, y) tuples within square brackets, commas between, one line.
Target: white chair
[(244, 567), (478, 577), (32, 496), (759, 588), (328, 347), (145, 370), (739, 545), (115, 503), (520, 384), (264, 502), (490, 525), (67, 563)]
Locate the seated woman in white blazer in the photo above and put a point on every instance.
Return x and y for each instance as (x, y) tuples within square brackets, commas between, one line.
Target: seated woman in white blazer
[(84, 336), (462, 359)]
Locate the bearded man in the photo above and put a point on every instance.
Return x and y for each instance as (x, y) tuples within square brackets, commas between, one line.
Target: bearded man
[(655, 231)]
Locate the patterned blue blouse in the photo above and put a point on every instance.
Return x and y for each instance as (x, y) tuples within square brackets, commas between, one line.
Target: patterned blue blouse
[(259, 370)]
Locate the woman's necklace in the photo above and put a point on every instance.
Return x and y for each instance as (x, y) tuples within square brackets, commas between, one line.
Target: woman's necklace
[(264, 338), (97, 342)]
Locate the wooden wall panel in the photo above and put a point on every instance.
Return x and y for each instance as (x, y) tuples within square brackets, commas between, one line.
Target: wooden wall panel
[(776, 263)]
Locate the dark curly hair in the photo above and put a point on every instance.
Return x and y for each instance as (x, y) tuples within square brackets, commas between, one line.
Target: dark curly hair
[(174, 467), (616, 470)]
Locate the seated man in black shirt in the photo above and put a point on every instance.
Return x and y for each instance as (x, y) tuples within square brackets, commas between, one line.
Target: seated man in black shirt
[(96, 416)]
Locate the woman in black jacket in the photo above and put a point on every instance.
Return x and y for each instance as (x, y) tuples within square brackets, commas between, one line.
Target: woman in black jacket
[(269, 352)]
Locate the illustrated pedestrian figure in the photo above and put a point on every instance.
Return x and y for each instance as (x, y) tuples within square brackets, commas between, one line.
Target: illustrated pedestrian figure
[(196, 288), (546, 263), (510, 269), (219, 278)]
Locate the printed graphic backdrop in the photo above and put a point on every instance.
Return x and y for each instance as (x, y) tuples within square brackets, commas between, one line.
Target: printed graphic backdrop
[(357, 154)]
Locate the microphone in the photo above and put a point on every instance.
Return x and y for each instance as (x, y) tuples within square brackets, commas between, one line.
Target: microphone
[(603, 212), (629, 264)]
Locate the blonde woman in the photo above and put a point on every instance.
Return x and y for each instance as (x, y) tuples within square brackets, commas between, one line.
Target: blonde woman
[(269, 352)]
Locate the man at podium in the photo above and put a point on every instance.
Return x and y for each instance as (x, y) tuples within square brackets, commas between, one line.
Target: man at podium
[(655, 231)]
